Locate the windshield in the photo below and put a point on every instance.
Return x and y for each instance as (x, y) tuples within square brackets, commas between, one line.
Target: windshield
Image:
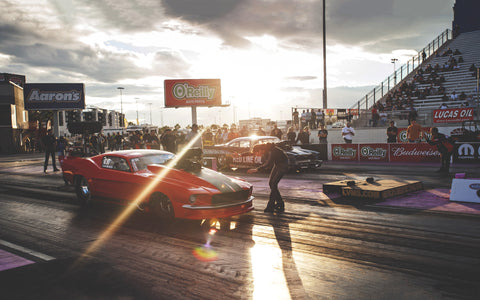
[(266, 141), (141, 163)]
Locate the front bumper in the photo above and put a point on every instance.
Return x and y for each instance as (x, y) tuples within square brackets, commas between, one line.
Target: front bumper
[(227, 205), (218, 211)]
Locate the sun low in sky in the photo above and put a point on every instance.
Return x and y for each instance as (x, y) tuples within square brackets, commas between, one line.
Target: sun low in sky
[(267, 53)]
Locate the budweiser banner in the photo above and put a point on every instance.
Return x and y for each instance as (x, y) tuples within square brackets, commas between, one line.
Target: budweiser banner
[(414, 152), (373, 152), (345, 152), (452, 115)]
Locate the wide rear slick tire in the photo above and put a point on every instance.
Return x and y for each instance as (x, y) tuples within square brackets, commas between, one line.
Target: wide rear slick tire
[(82, 189)]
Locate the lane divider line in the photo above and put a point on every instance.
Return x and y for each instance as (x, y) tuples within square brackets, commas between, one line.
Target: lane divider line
[(27, 251)]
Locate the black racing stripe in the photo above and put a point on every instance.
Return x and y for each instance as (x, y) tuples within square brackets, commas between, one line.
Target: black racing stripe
[(220, 181)]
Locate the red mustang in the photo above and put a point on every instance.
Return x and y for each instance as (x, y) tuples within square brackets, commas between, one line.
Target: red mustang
[(158, 182)]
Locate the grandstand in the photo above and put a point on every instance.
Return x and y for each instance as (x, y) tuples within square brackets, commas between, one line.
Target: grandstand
[(458, 80), (428, 92)]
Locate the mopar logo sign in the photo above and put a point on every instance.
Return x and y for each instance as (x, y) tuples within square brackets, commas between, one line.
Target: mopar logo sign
[(467, 152)]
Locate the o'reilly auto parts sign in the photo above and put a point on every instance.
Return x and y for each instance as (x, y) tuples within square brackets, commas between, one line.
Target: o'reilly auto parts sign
[(192, 92), (54, 96)]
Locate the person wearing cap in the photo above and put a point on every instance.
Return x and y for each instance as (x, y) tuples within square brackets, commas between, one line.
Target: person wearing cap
[(444, 146), (278, 161)]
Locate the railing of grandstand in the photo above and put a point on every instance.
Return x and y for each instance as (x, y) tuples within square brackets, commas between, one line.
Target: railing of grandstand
[(401, 73)]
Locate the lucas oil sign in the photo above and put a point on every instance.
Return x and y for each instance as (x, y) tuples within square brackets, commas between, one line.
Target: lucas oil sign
[(54, 96), (452, 115), (192, 92)]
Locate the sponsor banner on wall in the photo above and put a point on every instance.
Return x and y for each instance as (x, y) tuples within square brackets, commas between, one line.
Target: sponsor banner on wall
[(54, 96), (373, 152), (467, 152), (414, 152), (452, 115), (329, 112), (345, 152), (192, 92), (402, 134), (353, 111)]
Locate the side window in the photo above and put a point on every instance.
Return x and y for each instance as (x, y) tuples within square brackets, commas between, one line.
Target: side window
[(115, 163), (107, 162), (245, 144), (235, 144)]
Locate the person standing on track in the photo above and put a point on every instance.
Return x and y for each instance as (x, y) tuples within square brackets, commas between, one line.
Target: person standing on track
[(278, 160), (50, 143)]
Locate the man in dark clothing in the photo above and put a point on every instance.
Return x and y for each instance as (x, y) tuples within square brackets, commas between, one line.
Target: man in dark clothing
[(276, 132), (392, 133), (50, 143), (279, 160), (291, 135), (444, 147), (152, 140), (304, 136), (322, 135), (169, 141), (412, 114)]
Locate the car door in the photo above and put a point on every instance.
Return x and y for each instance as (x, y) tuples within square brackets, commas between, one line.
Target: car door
[(116, 181)]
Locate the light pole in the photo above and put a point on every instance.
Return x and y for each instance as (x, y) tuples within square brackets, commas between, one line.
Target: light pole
[(121, 105), (151, 122), (324, 59), (136, 105), (394, 60), (161, 117)]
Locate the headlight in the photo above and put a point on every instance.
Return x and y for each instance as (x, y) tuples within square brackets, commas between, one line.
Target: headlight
[(200, 199)]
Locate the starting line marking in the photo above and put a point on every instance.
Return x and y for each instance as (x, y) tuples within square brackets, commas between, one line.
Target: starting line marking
[(27, 251)]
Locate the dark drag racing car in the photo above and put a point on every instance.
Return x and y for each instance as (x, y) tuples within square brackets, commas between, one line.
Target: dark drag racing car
[(249, 152)]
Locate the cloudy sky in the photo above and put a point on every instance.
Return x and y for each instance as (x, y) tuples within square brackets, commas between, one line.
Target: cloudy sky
[(267, 53)]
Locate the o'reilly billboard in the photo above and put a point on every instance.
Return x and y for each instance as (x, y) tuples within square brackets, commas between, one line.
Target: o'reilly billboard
[(192, 92), (54, 96)]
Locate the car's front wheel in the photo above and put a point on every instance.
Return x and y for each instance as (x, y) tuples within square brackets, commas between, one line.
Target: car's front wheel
[(161, 206), (82, 189)]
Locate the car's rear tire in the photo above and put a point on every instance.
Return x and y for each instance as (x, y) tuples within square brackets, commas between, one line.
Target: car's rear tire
[(222, 162), (161, 206), (82, 189)]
